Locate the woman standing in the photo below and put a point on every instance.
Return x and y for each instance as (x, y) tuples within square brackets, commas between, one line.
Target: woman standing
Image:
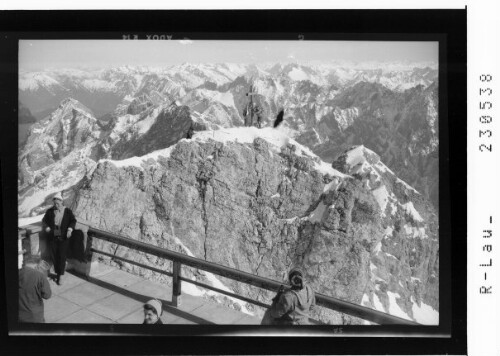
[(58, 222)]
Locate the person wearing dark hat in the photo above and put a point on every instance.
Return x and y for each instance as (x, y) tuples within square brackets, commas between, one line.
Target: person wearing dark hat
[(152, 312), (292, 306), (33, 289), (58, 222)]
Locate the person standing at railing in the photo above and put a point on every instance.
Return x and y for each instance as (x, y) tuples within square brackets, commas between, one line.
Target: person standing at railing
[(292, 306), (152, 312), (33, 289), (58, 222)]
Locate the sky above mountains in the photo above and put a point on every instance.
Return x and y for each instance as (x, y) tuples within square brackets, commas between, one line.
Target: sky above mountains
[(37, 55)]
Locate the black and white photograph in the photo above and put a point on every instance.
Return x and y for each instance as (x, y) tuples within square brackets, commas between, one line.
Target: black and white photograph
[(237, 184), (273, 158)]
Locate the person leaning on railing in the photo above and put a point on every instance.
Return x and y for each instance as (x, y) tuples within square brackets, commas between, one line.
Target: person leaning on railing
[(292, 306)]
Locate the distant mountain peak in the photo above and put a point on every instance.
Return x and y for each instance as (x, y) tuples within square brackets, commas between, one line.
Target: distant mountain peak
[(72, 104), (37, 80)]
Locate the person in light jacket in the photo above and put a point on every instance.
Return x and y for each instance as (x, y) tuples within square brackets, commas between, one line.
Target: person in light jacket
[(293, 305), (58, 222)]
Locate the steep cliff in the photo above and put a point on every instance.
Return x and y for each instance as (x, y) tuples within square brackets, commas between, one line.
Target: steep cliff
[(58, 152), (402, 127), (65, 146), (258, 201)]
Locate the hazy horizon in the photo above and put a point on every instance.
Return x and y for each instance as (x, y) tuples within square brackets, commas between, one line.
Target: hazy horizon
[(39, 55)]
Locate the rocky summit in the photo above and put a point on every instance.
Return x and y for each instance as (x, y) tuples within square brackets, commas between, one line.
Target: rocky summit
[(258, 201)]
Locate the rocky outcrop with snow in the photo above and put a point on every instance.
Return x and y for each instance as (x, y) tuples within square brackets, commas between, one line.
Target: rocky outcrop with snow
[(404, 263), (401, 127), (59, 151), (64, 147), (258, 201), (155, 129)]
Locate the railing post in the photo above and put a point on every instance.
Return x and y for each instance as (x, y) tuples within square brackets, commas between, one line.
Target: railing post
[(176, 287)]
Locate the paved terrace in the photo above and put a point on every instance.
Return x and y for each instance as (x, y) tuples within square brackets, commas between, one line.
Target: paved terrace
[(111, 295)]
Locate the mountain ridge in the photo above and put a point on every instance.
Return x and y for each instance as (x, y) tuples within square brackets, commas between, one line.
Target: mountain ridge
[(274, 203)]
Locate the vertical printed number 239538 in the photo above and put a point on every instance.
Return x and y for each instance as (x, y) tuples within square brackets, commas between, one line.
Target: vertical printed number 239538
[(485, 116)]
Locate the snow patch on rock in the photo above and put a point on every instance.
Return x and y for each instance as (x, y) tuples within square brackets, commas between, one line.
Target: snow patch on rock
[(400, 181), (141, 161), (394, 308), (378, 304), (326, 168), (317, 214), (193, 290), (410, 209), (424, 314), (382, 197)]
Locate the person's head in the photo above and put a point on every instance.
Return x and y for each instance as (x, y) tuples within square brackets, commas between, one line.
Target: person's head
[(43, 266), (58, 200), (31, 262), (152, 311), (296, 278)]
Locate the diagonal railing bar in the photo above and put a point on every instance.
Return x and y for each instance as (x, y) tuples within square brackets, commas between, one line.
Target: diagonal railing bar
[(187, 280), (138, 264)]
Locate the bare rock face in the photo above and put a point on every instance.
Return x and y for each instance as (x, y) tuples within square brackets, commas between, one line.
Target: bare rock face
[(402, 127), (262, 207), (169, 125), (139, 104)]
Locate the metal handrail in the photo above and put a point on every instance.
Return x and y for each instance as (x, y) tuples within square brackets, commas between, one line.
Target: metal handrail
[(184, 279), (240, 276)]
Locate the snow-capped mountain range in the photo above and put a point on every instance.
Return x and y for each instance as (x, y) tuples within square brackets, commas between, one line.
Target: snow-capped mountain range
[(103, 89), (356, 156), (328, 106)]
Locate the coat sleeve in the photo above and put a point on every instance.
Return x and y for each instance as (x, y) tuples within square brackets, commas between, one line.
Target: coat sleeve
[(72, 220), (45, 220), (284, 305), (46, 291)]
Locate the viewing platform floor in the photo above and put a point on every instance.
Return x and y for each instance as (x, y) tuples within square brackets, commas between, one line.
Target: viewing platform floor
[(111, 295)]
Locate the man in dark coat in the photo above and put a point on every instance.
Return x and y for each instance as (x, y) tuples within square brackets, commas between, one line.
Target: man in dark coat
[(58, 223), (33, 288)]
